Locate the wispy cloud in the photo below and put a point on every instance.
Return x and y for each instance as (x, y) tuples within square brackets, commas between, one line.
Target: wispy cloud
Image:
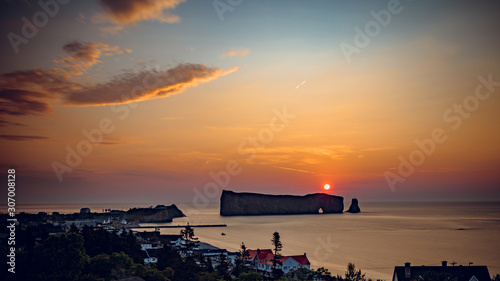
[(295, 170), (23, 138), (31, 91), (293, 155), (7, 123), (172, 118), (84, 55), (34, 91), (128, 12), (230, 128), (127, 88), (232, 53)]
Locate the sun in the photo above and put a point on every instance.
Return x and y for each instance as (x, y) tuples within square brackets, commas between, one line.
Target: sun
[(326, 186)]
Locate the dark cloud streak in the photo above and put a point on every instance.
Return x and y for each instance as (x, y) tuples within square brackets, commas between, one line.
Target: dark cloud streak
[(23, 138)]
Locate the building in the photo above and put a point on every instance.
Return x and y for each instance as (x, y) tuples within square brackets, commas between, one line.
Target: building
[(84, 211), (149, 246), (443, 272), (213, 253), (262, 261)]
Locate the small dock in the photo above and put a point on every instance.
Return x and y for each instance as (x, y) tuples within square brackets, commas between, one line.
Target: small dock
[(177, 226)]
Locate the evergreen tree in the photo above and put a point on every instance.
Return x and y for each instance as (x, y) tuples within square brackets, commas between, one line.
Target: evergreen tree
[(276, 260), (223, 266), (241, 263), (190, 241)]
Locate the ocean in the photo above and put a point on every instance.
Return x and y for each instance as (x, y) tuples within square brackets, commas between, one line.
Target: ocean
[(383, 235)]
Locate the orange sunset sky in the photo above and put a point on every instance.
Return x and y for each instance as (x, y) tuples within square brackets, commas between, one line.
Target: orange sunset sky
[(172, 100)]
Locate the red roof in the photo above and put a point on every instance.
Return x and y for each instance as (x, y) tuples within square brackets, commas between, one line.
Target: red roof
[(302, 259), (269, 257), (266, 255), (261, 255)]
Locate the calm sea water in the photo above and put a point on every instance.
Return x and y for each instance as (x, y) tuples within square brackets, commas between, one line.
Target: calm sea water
[(382, 236)]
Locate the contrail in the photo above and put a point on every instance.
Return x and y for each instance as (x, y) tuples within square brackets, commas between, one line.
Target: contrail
[(303, 82)]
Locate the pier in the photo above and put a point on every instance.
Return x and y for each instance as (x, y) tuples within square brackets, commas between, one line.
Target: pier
[(177, 226)]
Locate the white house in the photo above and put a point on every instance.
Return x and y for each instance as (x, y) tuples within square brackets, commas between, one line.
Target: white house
[(262, 261)]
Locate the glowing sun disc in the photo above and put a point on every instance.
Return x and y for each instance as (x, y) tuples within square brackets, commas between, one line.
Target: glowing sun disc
[(326, 186)]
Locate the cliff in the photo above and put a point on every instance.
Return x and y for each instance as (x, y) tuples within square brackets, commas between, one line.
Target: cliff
[(158, 214), (252, 204)]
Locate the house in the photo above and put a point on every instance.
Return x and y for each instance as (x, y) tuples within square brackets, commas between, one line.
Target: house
[(262, 261), (151, 246), (443, 272), (294, 262), (258, 258), (213, 253), (172, 239)]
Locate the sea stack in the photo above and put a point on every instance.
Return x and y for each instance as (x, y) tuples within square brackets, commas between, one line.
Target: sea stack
[(354, 208)]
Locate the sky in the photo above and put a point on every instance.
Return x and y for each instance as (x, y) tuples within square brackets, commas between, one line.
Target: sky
[(175, 100)]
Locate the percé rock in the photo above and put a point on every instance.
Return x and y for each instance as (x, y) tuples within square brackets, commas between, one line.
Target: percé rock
[(160, 213), (354, 208), (253, 204)]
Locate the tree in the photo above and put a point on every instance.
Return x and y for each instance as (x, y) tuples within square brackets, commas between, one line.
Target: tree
[(300, 274), (323, 274), (250, 276), (189, 240), (100, 241), (107, 266), (188, 269), (276, 260), (150, 274), (222, 267), (168, 257), (495, 278), (244, 253), (60, 257), (353, 274), (188, 233), (241, 261)]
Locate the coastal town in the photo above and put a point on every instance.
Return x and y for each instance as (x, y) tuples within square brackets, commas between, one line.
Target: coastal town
[(155, 250)]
